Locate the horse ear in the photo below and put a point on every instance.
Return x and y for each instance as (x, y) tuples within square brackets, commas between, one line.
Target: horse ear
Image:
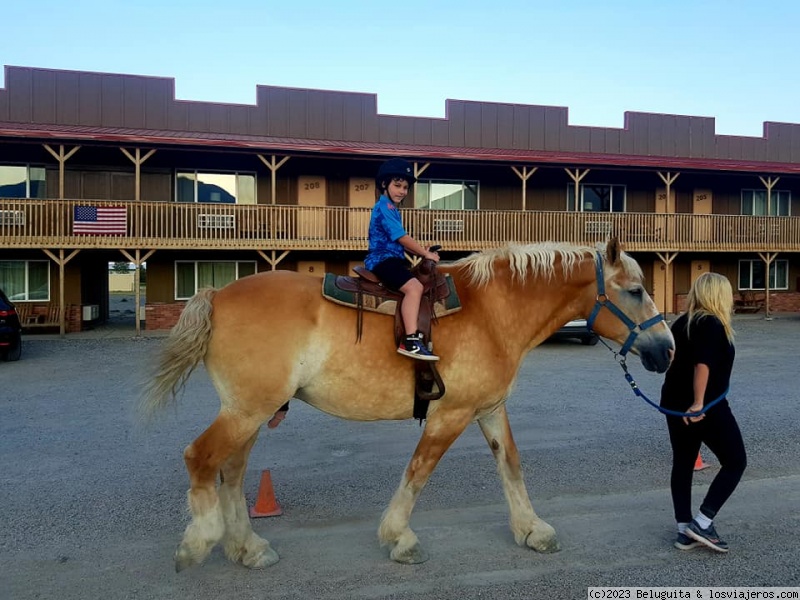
[(613, 251)]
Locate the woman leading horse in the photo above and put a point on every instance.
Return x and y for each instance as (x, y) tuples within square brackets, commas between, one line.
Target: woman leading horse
[(272, 336)]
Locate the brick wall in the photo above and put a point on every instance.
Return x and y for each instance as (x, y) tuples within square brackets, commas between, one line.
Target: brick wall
[(162, 315), (778, 302), (74, 318)]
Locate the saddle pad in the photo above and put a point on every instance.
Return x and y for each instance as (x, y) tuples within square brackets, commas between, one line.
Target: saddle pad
[(372, 303)]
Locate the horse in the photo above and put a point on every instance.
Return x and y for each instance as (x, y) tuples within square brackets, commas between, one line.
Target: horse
[(270, 337)]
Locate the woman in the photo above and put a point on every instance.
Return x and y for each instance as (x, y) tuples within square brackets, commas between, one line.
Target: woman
[(698, 377)]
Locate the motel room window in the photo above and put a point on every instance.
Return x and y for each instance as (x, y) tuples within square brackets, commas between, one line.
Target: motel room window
[(597, 197), (754, 202), (751, 275), (25, 280), (191, 276), (446, 195), (215, 188), (22, 181)]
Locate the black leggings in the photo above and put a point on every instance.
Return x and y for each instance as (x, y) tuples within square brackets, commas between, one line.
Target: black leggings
[(720, 432)]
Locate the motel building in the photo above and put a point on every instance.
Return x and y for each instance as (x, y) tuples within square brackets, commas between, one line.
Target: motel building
[(98, 168)]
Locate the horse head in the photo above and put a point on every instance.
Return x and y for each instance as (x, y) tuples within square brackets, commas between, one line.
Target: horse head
[(624, 312)]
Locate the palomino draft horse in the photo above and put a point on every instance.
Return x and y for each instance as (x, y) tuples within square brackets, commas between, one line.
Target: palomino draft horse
[(272, 336)]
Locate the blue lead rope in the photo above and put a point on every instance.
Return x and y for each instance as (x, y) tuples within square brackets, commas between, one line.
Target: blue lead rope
[(666, 411), (603, 301)]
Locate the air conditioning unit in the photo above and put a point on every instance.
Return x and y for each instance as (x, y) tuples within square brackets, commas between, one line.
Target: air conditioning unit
[(91, 312)]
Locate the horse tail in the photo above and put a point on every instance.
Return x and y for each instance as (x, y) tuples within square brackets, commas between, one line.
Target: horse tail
[(185, 348)]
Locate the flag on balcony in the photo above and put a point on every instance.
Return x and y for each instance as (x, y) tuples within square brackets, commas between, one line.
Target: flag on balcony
[(100, 220)]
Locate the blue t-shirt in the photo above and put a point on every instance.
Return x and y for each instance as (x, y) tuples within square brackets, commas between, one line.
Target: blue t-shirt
[(385, 228)]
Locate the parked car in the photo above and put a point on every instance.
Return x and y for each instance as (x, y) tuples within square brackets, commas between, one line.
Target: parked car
[(10, 330), (579, 330)]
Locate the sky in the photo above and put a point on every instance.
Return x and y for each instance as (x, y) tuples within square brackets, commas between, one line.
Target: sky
[(736, 61)]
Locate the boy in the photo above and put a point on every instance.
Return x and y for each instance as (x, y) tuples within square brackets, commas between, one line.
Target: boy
[(387, 242)]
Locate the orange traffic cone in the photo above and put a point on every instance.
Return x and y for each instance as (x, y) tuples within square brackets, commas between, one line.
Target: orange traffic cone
[(266, 505), (699, 465)]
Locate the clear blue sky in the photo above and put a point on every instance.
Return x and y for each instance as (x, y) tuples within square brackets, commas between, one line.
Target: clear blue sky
[(733, 60)]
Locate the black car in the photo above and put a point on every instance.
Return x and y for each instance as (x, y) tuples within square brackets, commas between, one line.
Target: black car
[(10, 330), (579, 330)]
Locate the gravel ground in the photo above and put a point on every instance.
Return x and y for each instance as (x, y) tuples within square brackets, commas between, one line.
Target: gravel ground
[(92, 503)]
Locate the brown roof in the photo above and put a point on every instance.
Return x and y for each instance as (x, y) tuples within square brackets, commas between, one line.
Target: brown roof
[(123, 135), (42, 104)]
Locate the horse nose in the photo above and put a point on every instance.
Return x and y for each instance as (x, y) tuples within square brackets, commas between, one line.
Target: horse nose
[(657, 356)]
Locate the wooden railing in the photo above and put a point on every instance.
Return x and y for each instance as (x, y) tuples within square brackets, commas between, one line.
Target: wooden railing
[(163, 225)]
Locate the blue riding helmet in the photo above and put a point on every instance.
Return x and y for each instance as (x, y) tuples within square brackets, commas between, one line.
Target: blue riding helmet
[(395, 167)]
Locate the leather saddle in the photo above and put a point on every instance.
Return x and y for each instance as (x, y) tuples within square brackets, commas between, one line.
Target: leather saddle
[(434, 289), (428, 383)]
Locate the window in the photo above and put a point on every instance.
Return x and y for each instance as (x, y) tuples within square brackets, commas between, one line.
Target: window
[(25, 280), (191, 276), (22, 182), (754, 202), (215, 188), (446, 195), (751, 275), (598, 197)]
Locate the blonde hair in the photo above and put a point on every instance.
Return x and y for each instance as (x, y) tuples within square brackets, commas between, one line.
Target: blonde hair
[(711, 294)]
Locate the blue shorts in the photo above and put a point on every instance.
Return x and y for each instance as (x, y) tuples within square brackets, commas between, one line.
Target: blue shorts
[(394, 273)]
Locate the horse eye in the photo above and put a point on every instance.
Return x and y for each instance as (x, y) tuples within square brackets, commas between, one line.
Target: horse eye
[(637, 292)]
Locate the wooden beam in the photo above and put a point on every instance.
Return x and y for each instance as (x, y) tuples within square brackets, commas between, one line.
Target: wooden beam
[(273, 165), (524, 175), (768, 259), (137, 259), (769, 183), (577, 176), (61, 261), (417, 172), (668, 179), (669, 283), (137, 161), (273, 261), (62, 158)]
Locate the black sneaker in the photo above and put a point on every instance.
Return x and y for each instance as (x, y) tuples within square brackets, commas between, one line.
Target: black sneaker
[(706, 536), (412, 346), (684, 542)]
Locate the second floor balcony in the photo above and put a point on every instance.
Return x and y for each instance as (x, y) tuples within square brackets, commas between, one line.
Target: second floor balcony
[(167, 225)]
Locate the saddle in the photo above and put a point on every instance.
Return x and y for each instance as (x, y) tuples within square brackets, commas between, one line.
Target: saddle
[(435, 288)]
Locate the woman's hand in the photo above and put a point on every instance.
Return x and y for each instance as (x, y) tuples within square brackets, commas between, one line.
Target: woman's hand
[(693, 409)]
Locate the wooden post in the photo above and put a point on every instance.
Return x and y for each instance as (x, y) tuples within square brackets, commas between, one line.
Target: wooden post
[(61, 262), (62, 158), (768, 259), (669, 291), (417, 172), (137, 261), (577, 176), (273, 164), (524, 175), (137, 161), (273, 261), (769, 183), (668, 180)]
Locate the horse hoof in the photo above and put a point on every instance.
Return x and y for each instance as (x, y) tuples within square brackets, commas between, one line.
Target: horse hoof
[(262, 560), (410, 556), (547, 544), (183, 559)]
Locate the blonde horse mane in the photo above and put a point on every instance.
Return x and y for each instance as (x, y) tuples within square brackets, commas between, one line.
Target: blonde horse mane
[(533, 259)]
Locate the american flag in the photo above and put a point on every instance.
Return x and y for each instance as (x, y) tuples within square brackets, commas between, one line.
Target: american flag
[(106, 220)]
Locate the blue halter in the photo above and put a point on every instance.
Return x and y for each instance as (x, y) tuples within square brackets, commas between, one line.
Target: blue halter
[(603, 301)]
